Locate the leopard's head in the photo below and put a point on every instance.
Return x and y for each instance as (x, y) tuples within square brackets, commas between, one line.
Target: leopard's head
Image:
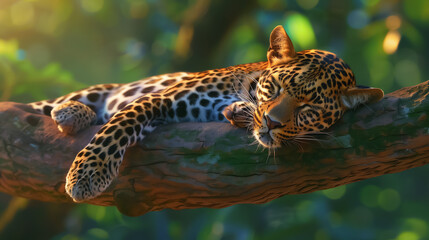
[(303, 92)]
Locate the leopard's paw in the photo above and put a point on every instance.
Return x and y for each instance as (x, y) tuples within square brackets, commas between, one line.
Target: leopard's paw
[(239, 114), (72, 116), (89, 175)]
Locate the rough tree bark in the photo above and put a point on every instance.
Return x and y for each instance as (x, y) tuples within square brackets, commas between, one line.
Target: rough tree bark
[(193, 165)]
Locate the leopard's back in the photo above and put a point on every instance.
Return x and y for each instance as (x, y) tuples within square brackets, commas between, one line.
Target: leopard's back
[(107, 99)]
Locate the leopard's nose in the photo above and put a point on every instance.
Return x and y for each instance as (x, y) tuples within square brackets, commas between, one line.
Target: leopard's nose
[(271, 124)]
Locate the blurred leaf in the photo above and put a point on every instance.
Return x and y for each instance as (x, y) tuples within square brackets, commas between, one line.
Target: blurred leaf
[(417, 226), (98, 233), (368, 195), (96, 212), (417, 10), (389, 199), (300, 31), (335, 193)]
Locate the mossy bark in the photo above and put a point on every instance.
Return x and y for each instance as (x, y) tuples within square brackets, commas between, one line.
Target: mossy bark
[(193, 165)]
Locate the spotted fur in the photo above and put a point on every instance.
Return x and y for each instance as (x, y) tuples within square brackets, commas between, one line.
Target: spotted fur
[(290, 95), (72, 116)]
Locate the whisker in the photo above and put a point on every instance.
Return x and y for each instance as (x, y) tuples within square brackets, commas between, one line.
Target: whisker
[(329, 134), (299, 146), (307, 138), (287, 143), (274, 154), (247, 110), (298, 140), (370, 109), (251, 88), (254, 143), (257, 148), (244, 94), (268, 157)]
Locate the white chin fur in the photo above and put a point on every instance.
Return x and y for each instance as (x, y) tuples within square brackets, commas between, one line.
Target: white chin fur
[(266, 139)]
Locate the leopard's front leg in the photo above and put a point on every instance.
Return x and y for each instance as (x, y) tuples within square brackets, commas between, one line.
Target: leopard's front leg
[(95, 167), (240, 114)]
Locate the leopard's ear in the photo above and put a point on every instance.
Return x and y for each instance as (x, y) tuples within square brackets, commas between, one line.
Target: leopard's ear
[(358, 95), (281, 48)]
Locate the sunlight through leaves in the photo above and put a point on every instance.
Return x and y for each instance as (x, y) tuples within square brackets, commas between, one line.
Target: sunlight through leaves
[(300, 30), (335, 193), (389, 199)]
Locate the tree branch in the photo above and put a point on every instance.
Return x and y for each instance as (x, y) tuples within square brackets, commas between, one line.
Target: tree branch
[(193, 165)]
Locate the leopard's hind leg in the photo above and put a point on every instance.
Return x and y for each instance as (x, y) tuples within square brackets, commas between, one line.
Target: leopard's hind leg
[(78, 110)]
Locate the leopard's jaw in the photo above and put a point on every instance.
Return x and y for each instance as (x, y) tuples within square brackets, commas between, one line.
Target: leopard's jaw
[(291, 93), (266, 139)]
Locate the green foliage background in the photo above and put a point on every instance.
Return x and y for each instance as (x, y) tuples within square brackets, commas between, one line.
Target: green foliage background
[(51, 47)]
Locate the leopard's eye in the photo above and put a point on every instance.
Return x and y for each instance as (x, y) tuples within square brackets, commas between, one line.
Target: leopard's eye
[(268, 89), (306, 114), (276, 92), (303, 108)]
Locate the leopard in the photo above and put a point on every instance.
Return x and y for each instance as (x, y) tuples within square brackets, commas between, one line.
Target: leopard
[(290, 95)]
